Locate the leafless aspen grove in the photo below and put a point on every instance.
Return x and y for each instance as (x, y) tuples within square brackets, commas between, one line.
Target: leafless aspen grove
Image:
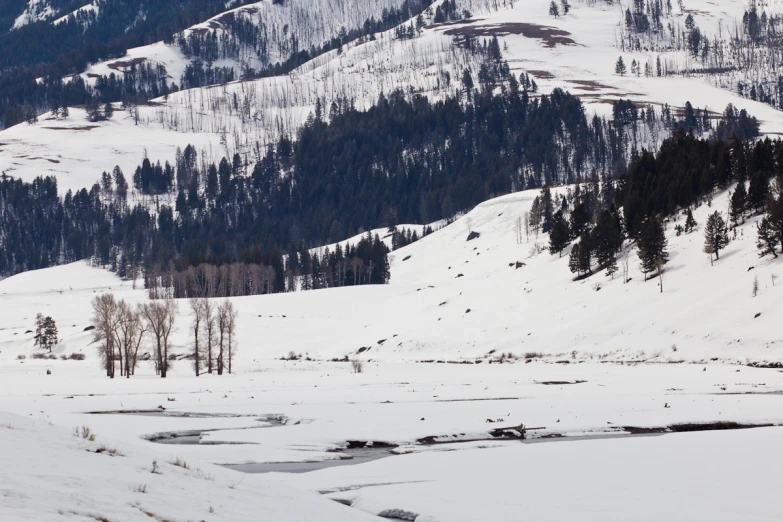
[(127, 335)]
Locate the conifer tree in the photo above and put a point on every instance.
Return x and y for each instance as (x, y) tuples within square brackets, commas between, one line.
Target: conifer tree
[(619, 67), (652, 246), (739, 202), (547, 208), (559, 235), (553, 9), (585, 254), (607, 238), (573, 259), (767, 241), (690, 223), (39, 328), (758, 191), (716, 235)]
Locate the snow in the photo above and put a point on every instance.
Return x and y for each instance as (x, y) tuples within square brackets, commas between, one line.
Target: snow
[(593, 340), (76, 150), (36, 10)]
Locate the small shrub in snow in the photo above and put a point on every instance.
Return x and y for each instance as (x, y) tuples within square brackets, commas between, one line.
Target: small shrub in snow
[(112, 452), (155, 468), (357, 366), (141, 488), (533, 355), (77, 356), (21, 357), (180, 463), (84, 432)]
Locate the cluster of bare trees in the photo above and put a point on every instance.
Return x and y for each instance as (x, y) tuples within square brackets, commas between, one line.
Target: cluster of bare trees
[(207, 280), (214, 335), (120, 329)]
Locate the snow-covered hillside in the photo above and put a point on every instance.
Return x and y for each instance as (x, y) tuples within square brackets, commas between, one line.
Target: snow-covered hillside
[(576, 52), (452, 299), (36, 10)]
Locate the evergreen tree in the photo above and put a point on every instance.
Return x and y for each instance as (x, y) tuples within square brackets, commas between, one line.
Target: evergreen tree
[(607, 238), (739, 202), (566, 6), (652, 245), (49, 336), (553, 9), (585, 254), (108, 111), (39, 328), (559, 235), (716, 235), (758, 191), (547, 208), (690, 223), (580, 219), (767, 241), (573, 259), (619, 67)]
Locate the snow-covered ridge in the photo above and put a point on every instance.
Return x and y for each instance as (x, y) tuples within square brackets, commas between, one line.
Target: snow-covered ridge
[(36, 11)]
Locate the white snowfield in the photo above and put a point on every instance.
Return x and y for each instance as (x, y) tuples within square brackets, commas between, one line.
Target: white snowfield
[(576, 52), (585, 385)]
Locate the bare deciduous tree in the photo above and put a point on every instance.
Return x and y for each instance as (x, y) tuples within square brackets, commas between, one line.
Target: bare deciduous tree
[(209, 327), (129, 332), (104, 317), (197, 306), (160, 316), (231, 328)]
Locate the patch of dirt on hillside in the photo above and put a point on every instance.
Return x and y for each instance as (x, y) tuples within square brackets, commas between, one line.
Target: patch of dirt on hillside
[(81, 128), (549, 36), (589, 85), (542, 75), (125, 63)]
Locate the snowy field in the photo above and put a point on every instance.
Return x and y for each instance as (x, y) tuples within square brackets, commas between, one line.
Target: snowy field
[(607, 375)]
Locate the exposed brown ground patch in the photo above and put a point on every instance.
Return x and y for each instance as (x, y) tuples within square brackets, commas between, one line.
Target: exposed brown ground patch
[(589, 85), (542, 75), (549, 36), (125, 63), (82, 128)]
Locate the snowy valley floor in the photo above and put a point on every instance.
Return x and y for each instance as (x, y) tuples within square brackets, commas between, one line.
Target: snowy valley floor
[(301, 411)]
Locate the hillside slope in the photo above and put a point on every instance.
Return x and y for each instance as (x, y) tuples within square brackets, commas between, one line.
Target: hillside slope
[(458, 300), (576, 52)]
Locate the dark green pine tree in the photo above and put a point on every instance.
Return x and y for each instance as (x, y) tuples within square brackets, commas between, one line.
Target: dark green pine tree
[(758, 191), (559, 235), (716, 235), (652, 245), (585, 254), (739, 203), (573, 259), (767, 241), (607, 238), (579, 219), (547, 208), (690, 223)]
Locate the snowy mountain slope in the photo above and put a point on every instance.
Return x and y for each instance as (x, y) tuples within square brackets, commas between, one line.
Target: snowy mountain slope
[(243, 116), (36, 10), (283, 27), (452, 299)]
